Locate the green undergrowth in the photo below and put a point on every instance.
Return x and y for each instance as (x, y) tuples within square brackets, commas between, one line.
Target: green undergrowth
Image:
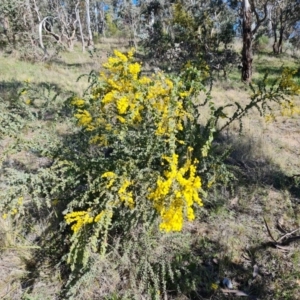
[(263, 63), (81, 175)]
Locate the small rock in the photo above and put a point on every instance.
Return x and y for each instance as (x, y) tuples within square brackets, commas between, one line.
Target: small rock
[(255, 270), (227, 283)]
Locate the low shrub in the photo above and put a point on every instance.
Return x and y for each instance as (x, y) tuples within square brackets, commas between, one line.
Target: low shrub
[(141, 158)]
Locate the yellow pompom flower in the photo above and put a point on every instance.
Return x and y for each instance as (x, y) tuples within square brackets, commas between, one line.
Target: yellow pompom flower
[(121, 119), (14, 211), (79, 219), (121, 56), (134, 69), (176, 193), (108, 175), (20, 200), (109, 97), (122, 105), (84, 117), (130, 53), (111, 176), (77, 102), (144, 80), (99, 216), (126, 196)]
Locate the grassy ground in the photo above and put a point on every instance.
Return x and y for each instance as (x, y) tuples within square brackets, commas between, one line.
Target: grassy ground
[(234, 235)]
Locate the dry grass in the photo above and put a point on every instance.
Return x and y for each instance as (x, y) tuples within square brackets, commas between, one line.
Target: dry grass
[(270, 139), (229, 237)]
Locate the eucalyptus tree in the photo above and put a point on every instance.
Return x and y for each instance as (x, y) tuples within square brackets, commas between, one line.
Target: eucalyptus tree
[(181, 31), (284, 16), (250, 26), (98, 22), (19, 27), (247, 55), (13, 25), (88, 23), (279, 17), (252, 14)]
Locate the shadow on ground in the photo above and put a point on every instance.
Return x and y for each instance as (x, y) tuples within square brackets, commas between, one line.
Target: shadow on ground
[(208, 267)]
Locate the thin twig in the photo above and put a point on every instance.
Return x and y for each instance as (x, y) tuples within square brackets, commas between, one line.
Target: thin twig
[(236, 292), (287, 234), (269, 232)]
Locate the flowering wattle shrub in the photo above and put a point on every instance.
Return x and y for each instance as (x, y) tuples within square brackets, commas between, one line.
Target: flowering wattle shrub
[(140, 159), (154, 159), (128, 112)]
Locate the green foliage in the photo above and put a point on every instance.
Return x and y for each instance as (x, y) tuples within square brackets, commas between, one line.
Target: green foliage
[(157, 37), (18, 119), (133, 170), (193, 35), (265, 94), (146, 128), (183, 19), (261, 43), (19, 30), (112, 28), (10, 10), (151, 174)]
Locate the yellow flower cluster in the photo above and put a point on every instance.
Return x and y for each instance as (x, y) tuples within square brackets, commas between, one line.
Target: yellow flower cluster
[(14, 210), (288, 86), (126, 196), (289, 109), (99, 216), (77, 102), (79, 218), (111, 176), (181, 187), (134, 70), (125, 101), (84, 117), (129, 99), (122, 105), (287, 83)]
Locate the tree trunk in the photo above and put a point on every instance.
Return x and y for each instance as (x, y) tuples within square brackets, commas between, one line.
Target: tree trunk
[(280, 40), (275, 44), (269, 9), (31, 23), (80, 28), (247, 55), (88, 23)]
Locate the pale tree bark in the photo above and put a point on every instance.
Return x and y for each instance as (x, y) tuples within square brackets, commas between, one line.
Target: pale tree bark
[(247, 55), (88, 23), (80, 26), (102, 20), (29, 17), (269, 9)]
